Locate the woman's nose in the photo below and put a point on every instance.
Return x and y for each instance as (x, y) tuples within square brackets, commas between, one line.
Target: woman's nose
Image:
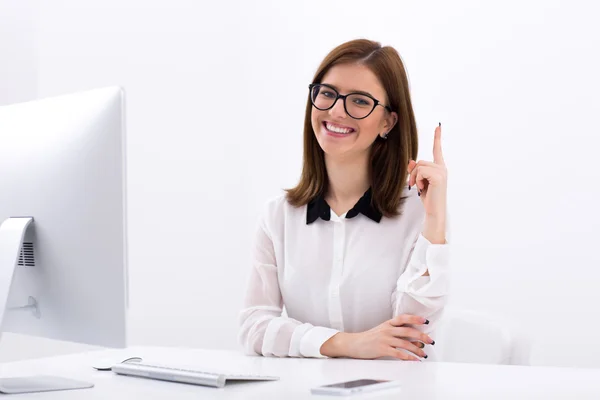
[(338, 109)]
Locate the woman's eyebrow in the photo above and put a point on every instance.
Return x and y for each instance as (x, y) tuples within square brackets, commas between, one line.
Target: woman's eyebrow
[(351, 90)]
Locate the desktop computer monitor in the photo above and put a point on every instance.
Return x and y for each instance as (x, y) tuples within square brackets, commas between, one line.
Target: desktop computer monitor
[(63, 250)]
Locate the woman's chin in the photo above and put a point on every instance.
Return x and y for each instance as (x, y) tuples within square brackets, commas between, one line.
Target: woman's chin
[(336, 151), (333, 144)]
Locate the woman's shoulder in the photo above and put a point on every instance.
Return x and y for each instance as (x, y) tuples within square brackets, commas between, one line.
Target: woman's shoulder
[(275, 204), (276, 207), (411, 209), (413, 213), (277, 212)]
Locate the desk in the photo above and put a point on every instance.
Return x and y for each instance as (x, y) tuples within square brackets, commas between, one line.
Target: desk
[(421, 380)]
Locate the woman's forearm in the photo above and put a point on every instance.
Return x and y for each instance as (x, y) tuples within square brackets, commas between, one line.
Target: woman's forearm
[(337, 345)]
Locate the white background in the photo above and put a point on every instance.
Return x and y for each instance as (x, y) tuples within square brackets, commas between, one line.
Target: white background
[(216, 96)]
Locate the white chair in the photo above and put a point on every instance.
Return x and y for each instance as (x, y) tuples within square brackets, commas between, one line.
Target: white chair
[(474, 337)]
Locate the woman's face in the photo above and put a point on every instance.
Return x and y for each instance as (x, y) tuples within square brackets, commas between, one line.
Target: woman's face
[(340, 135)]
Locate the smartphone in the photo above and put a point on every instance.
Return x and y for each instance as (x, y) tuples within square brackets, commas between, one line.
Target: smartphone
[(354, 387)]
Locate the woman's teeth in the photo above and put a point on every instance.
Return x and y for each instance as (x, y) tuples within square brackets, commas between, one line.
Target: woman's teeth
[(336, 129)]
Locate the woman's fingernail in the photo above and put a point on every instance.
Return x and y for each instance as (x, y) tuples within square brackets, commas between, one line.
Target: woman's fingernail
[(408, 187), (440, 124), (419, 193), (432, 342), (425, 356), (426, 322)]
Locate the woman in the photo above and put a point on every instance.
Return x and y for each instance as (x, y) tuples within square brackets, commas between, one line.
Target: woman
[(356, 252)]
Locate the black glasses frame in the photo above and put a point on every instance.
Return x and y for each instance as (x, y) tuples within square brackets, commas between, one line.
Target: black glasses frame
[(343, 97)]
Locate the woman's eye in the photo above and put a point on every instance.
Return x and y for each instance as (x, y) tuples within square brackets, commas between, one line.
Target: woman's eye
[(361, 102), (327, 93)]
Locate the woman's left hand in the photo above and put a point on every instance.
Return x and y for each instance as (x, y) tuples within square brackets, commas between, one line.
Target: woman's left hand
[(431, 180)]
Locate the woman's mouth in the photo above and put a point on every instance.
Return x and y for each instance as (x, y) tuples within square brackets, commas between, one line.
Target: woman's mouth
[(337, 130)]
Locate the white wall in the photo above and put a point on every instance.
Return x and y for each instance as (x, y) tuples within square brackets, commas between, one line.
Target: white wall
[(216, 95), (18, 58)]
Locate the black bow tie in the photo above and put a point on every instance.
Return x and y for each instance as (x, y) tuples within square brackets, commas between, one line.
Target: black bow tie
[(318, 208)]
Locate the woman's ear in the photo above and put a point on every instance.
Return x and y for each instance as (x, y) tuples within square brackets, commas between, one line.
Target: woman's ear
[(390, 121)]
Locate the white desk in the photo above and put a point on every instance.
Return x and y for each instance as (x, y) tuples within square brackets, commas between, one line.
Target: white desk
[(426, 380)]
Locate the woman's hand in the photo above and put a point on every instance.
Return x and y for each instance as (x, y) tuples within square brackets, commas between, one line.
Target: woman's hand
[(431, 180), (382, 341)]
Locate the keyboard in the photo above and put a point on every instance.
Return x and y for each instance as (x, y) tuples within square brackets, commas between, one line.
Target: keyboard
[(191, 376)]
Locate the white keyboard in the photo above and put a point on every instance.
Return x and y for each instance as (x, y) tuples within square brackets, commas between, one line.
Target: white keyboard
[(195, 377)]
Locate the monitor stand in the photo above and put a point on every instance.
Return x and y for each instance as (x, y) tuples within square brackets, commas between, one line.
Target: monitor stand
[(41, 383), (12, 232)]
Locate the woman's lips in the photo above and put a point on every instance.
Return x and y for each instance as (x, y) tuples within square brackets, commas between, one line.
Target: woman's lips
[(337, 134)]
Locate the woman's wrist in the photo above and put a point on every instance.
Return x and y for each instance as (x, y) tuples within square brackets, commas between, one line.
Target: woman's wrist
[(434, 230), (336, 346)]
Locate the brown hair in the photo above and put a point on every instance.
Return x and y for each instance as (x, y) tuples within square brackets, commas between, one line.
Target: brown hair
[(389, 158)]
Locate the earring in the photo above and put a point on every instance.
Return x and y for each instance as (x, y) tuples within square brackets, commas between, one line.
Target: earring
[(384, 136)]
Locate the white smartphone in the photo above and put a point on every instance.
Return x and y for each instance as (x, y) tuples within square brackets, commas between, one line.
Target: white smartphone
[(354, 387)]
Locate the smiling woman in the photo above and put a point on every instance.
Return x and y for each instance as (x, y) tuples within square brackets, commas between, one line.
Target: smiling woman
[(369, 78), (358, 259)]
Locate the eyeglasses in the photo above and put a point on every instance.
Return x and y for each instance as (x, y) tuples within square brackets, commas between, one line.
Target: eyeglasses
[(357, 105)]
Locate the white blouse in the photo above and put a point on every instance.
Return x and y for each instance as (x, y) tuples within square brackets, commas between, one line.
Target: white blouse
[(333, 274)]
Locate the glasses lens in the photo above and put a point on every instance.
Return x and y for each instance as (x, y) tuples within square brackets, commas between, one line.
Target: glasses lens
[(322, 97), (359, 106)]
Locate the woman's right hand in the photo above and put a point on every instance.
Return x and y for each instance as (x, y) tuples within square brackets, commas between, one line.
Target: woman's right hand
[(384, 340)]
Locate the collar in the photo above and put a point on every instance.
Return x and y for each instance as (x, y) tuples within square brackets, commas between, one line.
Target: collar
[(318, 208)]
